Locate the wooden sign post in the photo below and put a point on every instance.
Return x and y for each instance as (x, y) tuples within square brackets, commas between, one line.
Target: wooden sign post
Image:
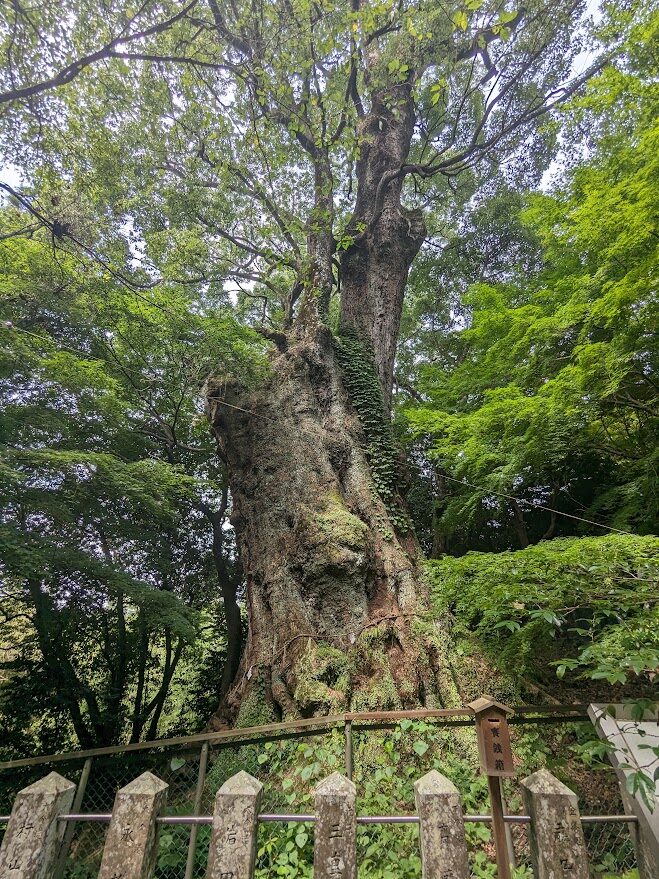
[(496, 759)]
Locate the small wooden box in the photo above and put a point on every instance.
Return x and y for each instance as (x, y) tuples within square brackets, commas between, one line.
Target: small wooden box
[(493, 737)]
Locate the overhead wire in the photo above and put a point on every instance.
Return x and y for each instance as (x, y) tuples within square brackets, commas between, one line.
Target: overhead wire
[(138, 289), (484, 489), (534, 504)]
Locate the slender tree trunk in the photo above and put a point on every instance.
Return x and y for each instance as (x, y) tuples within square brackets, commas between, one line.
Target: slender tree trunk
[(519, 525), (143, 646), (228, 583), (158, 702), (228, 588), (117, 659), (73, 692)]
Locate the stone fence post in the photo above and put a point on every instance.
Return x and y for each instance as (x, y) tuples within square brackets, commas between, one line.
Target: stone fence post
[(442, 832), (335, 832), (558, 847), (31, 842), (131, 844), (232, 850)]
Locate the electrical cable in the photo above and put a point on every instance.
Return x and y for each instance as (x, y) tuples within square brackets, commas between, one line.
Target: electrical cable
[(535, 505), (532, 504)]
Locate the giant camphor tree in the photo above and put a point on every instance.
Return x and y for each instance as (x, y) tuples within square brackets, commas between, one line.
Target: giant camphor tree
[(299, 153)]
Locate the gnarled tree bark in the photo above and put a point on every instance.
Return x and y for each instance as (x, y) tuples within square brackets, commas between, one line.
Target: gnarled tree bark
[(388, 236), (325, 557), (335, 596)]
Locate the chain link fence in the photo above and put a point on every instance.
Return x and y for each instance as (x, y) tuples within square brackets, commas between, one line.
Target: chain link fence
[(180, 771), (14, 780), (106, 776), (611, 848), (182, 776)]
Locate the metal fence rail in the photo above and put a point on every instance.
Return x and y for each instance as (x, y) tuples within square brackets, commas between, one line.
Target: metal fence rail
[(618, 854), (361, 819), (183, 762), (313, 726), (198, 820)]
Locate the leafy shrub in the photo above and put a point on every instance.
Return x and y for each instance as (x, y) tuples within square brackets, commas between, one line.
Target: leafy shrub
[(592, 600)]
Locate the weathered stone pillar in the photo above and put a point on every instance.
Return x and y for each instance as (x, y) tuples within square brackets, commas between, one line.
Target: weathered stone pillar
[(131, 844), (443, 846), (233, 842), (335, 855), (31, 842), (558, 847)]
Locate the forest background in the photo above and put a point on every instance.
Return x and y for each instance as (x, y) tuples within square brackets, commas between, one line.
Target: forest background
[(150, 240)]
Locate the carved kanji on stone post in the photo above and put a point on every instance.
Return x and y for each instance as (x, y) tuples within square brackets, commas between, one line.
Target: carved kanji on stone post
[(31, 842), (233, 843), (558, 847), (442, 834), (335, 855), (131, 844)]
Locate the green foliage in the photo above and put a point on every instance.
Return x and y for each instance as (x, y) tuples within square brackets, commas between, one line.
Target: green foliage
[(585, 606), (542, 388), (361, 381), (386, 765), (255, 710), (105, 474), (194, 190)]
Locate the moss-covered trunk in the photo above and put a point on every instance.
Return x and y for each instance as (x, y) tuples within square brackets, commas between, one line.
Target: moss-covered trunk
[(336, 597)]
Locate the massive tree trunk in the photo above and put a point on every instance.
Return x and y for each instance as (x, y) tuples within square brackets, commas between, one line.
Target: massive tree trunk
[(334, 589), (336, 598)]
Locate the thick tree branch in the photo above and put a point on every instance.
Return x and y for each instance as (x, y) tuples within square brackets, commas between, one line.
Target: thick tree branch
[(69, 73)]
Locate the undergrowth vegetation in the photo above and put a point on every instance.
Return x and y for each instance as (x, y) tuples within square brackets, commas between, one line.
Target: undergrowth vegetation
[(586, 608), (387, 763), (190, 535)]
